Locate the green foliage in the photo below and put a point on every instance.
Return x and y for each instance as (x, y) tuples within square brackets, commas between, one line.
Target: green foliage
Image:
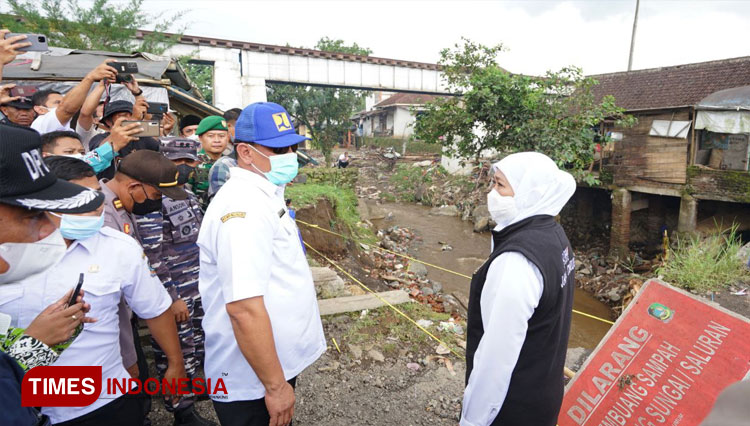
[(412, 146), (329, 45), (344, 202), (324, 111), (341, 178), (705, 263), (102, 26), (407, 179), (556, 114), (202, 76), (390, 331)]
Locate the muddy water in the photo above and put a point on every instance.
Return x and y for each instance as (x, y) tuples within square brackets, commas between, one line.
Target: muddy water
[(470, 250)]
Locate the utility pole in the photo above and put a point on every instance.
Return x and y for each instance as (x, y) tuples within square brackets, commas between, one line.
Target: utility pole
[(632, 38)]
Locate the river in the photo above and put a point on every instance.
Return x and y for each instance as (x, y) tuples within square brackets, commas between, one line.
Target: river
[(470, 250)]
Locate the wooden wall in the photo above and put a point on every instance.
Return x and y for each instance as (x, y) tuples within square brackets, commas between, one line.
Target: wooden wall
[(641, 159)]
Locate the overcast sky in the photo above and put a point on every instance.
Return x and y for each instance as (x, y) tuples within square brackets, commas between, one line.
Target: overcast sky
[(539, 35)]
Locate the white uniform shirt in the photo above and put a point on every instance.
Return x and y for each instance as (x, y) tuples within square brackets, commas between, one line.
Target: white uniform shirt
[(49, 123), (510, 295), (248, 250), (113, 265)]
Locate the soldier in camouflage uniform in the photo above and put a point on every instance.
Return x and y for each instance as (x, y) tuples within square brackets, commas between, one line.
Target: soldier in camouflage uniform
[(179, 226), (214, 137)]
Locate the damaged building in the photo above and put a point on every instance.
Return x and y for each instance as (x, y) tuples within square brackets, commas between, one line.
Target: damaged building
[(684, 165)]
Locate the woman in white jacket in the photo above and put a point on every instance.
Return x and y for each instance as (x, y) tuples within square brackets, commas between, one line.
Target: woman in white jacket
[(521, 299)]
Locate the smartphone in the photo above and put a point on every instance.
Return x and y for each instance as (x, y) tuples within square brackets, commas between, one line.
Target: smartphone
[(76, 291), (157, 108), (23, 91), (122, 78), (125, 67), (38, 42), (150, 128)]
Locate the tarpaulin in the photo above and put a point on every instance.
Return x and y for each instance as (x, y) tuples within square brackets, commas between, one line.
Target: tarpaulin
[(723, 121)]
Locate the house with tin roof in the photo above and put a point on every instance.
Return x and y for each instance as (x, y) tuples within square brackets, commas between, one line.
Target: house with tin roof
[(689, 147), (391, 115)]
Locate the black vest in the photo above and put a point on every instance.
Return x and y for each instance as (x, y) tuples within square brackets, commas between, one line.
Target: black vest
[(536, 385)]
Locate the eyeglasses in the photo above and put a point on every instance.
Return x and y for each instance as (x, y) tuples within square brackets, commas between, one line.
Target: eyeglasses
[(285, 149)]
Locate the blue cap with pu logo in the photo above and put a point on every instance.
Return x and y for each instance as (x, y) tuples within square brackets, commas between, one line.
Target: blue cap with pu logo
[(267, 124)]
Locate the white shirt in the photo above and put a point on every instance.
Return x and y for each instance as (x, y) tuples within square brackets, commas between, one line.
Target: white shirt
[(248, 250), (86, 135), (114, 265), (510, 295), (49, 123)]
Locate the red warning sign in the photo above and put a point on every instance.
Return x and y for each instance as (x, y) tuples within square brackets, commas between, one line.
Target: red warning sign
[(663, 363)]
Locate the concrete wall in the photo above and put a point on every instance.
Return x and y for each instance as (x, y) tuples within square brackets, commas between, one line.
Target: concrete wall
[(403, 123)]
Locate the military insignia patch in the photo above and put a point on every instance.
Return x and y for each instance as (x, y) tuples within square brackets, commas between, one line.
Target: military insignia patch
[(232, 215)]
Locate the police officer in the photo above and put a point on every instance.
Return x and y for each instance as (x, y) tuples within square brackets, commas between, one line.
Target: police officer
[(136, 189), (180, 227), (262, 322), (19, 112)]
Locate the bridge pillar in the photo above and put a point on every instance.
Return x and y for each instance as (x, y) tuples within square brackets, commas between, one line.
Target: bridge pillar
[(253, 90), (227, 79)]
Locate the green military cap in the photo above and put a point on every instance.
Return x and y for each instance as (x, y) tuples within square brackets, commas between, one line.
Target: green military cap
[(212, 122)]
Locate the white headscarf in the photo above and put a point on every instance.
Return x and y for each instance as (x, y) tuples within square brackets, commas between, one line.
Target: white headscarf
[(540, 187)]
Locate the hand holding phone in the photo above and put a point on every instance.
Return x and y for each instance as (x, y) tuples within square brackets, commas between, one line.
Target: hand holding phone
[(76, 291), (38, 42), (150, 128)]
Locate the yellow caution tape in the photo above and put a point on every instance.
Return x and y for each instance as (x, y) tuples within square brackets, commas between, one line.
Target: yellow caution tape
[(387, 303), (383, 249), (310, 225)]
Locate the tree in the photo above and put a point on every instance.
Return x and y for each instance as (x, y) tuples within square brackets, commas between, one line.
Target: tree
[(556, 114), (201, 75), (324, 111), (102, 26)]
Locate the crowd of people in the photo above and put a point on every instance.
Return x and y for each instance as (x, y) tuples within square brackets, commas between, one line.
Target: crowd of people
[(84, 196), (190, 234)]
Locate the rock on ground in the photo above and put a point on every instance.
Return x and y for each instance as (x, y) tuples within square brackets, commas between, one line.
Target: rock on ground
[(417, 269), (327, 283), (445, 211), (575, 358)]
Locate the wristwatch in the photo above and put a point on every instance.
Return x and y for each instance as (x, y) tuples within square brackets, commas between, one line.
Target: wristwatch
[(140, 92)]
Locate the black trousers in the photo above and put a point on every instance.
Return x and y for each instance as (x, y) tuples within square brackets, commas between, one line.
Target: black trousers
[(126, 410), (142, 369), (245, 413)]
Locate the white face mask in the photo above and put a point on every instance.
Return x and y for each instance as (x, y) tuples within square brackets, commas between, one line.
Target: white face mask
[(76, 156), (27, 259), (502, 209)]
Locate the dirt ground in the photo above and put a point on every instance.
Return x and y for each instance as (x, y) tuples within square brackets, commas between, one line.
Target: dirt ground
[(367, 380)]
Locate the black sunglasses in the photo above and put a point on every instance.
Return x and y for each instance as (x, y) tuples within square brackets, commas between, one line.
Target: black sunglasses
[(284, 150)]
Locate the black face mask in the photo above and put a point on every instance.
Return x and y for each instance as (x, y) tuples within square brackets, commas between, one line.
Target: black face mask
[(185, 172), (146, 207)]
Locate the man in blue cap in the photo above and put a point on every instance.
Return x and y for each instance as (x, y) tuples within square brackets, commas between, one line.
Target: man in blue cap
[(255, 280)]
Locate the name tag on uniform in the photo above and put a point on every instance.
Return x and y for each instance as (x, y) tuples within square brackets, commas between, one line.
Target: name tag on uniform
[(176, 206), (93, 269)]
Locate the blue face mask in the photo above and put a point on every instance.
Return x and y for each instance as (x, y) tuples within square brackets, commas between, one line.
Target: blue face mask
[(74, 227), (284, 168)]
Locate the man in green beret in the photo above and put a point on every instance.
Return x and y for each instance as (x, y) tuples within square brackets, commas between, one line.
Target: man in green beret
[(214, 137)]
